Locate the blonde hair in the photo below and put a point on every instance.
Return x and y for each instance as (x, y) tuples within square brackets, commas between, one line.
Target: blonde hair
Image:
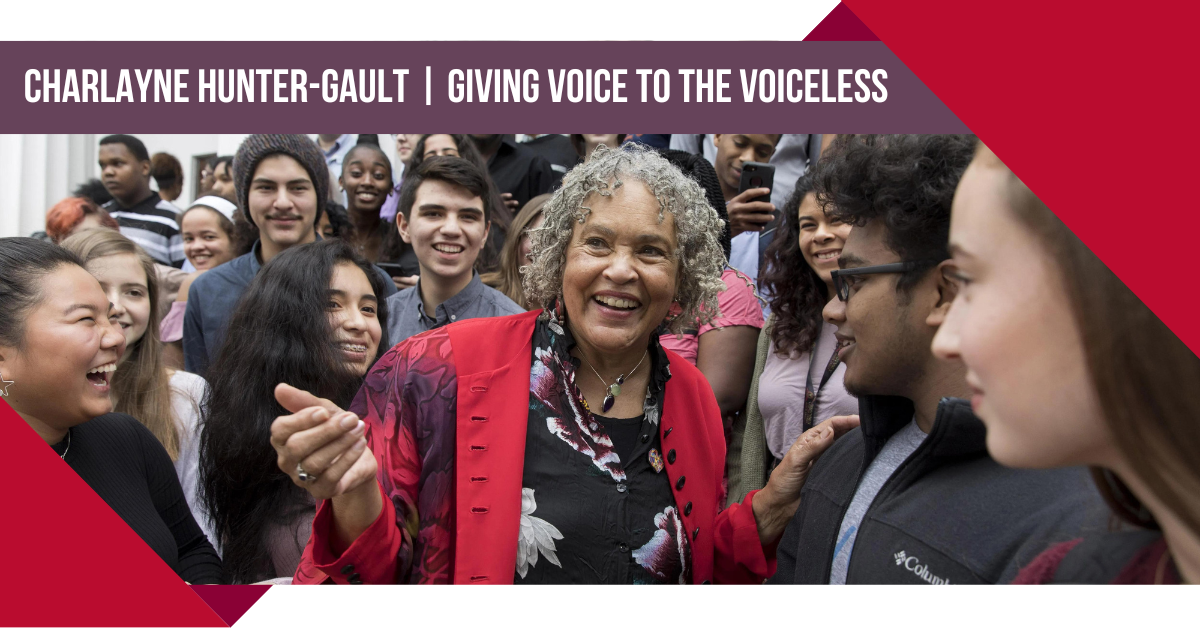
[(507, 278), (141, 385)]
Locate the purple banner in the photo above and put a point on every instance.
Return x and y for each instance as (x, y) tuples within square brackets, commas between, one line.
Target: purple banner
[(796, 87)]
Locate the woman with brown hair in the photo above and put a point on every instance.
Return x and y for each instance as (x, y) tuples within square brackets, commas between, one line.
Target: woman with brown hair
[(517, 252), (164, 400), (1068, 367)]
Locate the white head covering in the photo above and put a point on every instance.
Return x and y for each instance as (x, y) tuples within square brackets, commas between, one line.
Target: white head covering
[(222, 206)]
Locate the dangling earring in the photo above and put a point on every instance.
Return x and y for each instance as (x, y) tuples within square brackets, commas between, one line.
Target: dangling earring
[(556, 317)]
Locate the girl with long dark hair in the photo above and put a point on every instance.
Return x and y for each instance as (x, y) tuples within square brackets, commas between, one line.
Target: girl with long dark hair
[(314, 316), (797, 377)]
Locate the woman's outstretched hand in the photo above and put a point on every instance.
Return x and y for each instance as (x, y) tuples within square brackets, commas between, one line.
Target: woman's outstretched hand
[(330, 445), (776, 504)]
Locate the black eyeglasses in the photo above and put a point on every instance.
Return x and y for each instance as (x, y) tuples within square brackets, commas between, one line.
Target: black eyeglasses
[(843, 288)]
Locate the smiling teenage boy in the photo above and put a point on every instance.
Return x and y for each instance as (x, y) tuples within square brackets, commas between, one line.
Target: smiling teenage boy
[(751, 210), (911, 495), (142, 214), (282, 186), (442, 215)]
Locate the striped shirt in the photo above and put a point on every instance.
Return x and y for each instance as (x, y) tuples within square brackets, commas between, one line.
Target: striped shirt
[(152, 225)]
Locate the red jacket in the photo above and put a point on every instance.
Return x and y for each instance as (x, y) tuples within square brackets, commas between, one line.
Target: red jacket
[(491, 363)]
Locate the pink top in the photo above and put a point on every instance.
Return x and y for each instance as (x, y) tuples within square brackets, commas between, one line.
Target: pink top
[(781, 392), (171, 327), (738, 306)]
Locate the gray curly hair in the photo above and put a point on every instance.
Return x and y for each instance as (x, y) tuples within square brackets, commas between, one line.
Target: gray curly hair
[(697, 226)]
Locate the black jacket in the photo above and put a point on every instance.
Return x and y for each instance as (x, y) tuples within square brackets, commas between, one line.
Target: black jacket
[(520, 171), (949, 514)]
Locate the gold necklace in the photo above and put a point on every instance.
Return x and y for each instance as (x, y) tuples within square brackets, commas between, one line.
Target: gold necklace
[(614, 389)]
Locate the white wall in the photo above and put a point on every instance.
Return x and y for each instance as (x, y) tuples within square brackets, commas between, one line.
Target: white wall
[(37, 171)]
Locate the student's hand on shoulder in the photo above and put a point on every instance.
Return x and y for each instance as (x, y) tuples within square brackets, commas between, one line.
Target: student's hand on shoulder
[(776, 504), (326, 441), (749, 215), (510, 202)]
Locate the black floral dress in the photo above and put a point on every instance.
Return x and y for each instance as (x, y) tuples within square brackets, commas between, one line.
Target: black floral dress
[(593, 510)]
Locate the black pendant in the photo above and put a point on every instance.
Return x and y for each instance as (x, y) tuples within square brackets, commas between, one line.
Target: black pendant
[(608, 403)]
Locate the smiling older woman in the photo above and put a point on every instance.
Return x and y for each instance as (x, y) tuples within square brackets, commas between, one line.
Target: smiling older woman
[(559, 446)]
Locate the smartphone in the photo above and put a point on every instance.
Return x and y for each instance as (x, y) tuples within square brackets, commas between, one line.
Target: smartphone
[(756, 175), (393, 269)]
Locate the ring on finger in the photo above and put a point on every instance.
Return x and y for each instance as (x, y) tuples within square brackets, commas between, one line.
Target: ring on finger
[(303, 475)]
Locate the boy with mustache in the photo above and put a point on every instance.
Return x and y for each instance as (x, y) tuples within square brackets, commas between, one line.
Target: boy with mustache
[(282, 186)]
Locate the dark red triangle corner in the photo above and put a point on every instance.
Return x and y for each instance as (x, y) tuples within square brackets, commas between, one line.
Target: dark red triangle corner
[(117, 581), (230, 601), (841, 25)]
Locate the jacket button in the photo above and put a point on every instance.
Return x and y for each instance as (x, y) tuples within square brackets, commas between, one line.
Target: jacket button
[(671, 456), (707, 582), (645, 438), (621, 488), (347, 569), (623, 547), (354, 579), (695, 533), (687, 510), (679, 484), (668, 432)]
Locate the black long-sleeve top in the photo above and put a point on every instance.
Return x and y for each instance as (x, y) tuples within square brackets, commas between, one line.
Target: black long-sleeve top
[(128, 468)]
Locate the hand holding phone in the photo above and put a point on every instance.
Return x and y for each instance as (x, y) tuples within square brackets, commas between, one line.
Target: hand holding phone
[(751, 209), (399, 277), (746, 214)]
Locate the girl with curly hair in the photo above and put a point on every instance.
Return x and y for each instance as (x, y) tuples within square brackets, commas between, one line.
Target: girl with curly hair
[(797, 380)]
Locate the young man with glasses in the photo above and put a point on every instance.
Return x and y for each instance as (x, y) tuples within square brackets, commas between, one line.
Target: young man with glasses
[(912, 496)]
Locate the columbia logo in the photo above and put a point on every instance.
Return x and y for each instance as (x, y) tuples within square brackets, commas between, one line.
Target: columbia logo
[(913, 564)]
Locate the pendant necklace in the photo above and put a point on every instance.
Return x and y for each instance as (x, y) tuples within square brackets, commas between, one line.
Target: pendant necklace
[(63, 455), (614, 389)]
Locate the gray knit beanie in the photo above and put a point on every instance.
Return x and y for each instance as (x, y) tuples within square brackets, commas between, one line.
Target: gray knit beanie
[(299, 147)]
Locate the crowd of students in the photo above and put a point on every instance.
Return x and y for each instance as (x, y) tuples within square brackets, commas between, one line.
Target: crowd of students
[(909, 370)]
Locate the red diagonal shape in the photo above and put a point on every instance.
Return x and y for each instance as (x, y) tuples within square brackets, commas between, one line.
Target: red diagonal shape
[(1092, 106), (71, 560), (841, 25), (231, 601)]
